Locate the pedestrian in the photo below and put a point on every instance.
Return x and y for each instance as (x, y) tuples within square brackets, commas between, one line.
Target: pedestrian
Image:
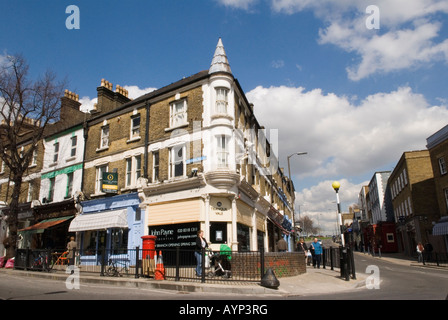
[(428, 250), (317, 253), (201, 243), (313, 260), (301, 247), (282, 245), (71, 248), (420, 250)]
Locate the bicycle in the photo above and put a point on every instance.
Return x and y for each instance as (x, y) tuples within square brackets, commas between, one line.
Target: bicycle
[(114, 271), (41, 263)]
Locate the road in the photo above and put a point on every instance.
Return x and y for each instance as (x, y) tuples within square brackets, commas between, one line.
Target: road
[(390, 281), (399, 281)]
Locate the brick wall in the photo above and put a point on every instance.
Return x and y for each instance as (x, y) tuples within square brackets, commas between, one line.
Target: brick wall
[(284, 264)]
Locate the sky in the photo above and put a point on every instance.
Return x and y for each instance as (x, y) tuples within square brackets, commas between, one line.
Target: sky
[(354, 83)]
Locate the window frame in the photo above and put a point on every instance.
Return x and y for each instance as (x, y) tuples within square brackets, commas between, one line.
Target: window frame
[(51, 188), (221, 105), (69, 189), (99, 177), (74, 145), (135, 129), (133, 169), (55, 152), (173, 165), (155, 167), (174, 113), (105, 134), (442, 166), (222, 152)]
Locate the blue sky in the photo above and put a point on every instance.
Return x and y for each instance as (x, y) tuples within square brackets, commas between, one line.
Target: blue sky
[(354, 98)]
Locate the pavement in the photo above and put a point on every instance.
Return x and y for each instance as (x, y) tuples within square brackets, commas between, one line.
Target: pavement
[(313, 282)]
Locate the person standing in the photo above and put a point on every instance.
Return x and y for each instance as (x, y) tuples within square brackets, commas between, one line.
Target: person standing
[(201, 242), (428, 250), (317, 253), (420, 250), (71, 248), (301, 247)]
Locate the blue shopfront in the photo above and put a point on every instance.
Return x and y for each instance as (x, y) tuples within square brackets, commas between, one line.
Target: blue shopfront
[(111, 225)]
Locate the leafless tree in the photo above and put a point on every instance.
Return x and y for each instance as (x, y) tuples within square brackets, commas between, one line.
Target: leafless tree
[(27, 108), (308, 225)]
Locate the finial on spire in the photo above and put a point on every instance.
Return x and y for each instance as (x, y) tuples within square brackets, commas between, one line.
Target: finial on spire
[(220, 63)]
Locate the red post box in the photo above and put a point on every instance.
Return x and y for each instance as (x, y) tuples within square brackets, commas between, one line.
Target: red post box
[(149, 246)]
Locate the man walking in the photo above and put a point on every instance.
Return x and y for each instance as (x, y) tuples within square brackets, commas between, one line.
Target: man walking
[(317, 253)]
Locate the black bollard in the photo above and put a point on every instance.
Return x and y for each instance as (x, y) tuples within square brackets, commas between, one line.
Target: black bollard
[(269, 280)]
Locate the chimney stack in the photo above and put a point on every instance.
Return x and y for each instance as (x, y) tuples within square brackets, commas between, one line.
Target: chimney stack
[(108, 99), (70, 105)]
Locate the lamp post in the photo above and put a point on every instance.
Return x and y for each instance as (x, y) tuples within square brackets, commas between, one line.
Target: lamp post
[(293, 198), (336, 185), (343, 260)]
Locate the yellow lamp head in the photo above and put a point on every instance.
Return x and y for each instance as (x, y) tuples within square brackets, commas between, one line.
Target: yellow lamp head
[(336, 185)]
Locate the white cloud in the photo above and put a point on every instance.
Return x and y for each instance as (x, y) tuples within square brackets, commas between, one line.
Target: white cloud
[(407, 38), (345, 138), (135, 91), (319, 203), (278, 64), (238, 4)]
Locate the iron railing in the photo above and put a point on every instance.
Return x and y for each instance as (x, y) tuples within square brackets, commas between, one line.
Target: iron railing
[(178, 264)]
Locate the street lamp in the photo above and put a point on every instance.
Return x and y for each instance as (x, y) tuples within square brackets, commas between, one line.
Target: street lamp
[(293, 198), (343, 258), (336, 185)]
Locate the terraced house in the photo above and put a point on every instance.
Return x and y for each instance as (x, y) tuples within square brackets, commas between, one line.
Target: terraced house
[(189, 156)]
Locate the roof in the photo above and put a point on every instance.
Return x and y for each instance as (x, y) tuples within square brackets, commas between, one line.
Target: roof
[(220, 63)]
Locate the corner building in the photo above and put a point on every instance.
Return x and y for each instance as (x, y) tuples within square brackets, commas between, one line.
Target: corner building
[(198, 160), (211, 167)]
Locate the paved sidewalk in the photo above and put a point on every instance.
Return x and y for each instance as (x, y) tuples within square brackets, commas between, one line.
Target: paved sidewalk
[(313, 282)]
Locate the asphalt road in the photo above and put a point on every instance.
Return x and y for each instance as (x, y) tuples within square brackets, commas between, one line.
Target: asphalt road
[(389, 281), (396, 281)]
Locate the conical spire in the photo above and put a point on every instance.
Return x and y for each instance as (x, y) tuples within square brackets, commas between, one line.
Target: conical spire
[(220, 63)]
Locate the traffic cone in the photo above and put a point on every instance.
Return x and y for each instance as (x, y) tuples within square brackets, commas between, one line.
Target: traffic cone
[(160, 269)]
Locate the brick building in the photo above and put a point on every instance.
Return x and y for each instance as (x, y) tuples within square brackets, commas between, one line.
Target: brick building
[(414, 199), (185, 157), (437, 145)]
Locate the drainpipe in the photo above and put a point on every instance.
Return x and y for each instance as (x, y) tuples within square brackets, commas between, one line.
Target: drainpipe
[(85, 132), (145, 169)]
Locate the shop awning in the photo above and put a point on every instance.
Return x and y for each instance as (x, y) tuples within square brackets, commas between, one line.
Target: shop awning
[(100, 221), (45, 224), (441, 227)]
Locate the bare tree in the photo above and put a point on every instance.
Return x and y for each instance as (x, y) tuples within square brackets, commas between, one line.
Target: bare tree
[(27, 108), (308, 226)]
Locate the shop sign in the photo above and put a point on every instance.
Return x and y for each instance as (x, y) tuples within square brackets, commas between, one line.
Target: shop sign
[(181, 235)]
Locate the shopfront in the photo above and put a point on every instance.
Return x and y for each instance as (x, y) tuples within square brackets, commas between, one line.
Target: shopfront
[(113, 225), (50, 227)]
